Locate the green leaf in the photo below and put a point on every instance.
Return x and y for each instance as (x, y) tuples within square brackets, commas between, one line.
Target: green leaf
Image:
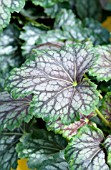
[(74, 29), (10, 55), (107, 145), (96, 33), (58, 163), (71, 27), (53, 11), (6, 8), (40, 146), (8, 155), (30, 35), (65, 18), (106, 106), (54, 76), (102, 68), (85, 150), (52, 36), (13, 112), (88, 8), (68, 131), (46, 3)]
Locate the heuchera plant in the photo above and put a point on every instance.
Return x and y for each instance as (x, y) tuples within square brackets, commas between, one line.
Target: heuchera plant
[(55, 104)]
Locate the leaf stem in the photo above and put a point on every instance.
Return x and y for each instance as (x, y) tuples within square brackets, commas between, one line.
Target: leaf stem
[(103, 118), (98, 112)]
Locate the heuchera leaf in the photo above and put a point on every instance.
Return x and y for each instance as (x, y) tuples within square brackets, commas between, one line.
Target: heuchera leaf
[(46, 3), (13, 112), (87, 8), (65, 18), (106, 106), (102, 68), (10, 55), (8, 154), (85, 150), (107, 145), (54, 76), (70, 130), (74, 29), (30, 35), (40, 146), (6, 8), (53, 11), (52, 36), (58, 163), (96, 32)]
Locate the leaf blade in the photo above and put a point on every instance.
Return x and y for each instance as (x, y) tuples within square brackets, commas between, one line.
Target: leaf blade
[(7, 8), (84, 151), (13, 112), (102, 67)]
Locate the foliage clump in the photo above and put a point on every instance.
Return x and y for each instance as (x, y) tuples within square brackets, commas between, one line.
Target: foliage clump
[(55, 85)]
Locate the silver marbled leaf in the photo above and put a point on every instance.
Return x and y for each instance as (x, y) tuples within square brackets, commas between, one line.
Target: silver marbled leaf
[(55, 77), (102, 68), (85, 150), (13, 112)]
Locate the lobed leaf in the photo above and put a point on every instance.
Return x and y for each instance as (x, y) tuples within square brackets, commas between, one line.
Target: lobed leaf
[(54, 76), (68, 131), (85, 151), (40, 146), (13, 112), (8, 155), (8, 7), (102, 68), (74, 29)]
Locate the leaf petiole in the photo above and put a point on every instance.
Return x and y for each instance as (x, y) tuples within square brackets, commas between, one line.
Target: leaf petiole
[(103, 118)]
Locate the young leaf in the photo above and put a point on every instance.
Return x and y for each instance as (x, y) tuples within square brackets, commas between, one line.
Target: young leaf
[(107, 145), (106, 106), (8, 154), (85, 151), (8, 7), (70, 130), (54, 76), (40, 146), (13, 112), (102, 68)]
